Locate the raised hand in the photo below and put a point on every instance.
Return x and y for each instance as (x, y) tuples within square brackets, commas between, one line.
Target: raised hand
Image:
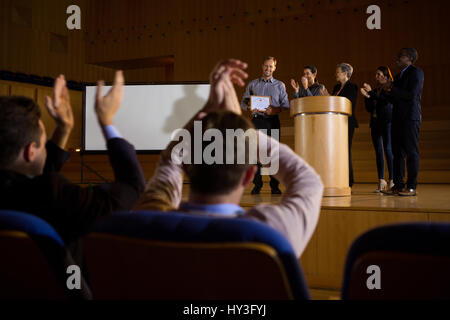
[(365, 93), (59, 106), (107, 106), (222, 94), (304, 82), (367, 87), (295, 85)]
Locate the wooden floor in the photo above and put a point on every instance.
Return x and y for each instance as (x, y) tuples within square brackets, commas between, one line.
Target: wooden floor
[(430, 198)]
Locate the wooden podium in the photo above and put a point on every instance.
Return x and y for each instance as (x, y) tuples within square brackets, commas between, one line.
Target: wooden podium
[(321, 138)]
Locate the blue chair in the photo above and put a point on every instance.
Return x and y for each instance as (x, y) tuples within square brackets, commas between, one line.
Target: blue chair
[(154, 255), (34, 260), (413, 261)]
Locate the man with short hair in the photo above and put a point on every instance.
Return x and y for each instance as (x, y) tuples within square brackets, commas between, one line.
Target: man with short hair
[(405, 95), (268, 119), (216, 189), (29, 165)]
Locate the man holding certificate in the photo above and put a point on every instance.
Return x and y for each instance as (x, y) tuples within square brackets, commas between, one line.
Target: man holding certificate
[(264, 97)]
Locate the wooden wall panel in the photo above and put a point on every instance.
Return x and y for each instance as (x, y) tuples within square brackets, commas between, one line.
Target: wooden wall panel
[(4, 89), (26, 48), (336, 231), (199, 32), (23, 90)]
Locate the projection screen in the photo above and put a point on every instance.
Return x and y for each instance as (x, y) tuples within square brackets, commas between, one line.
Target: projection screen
[(148, 114)]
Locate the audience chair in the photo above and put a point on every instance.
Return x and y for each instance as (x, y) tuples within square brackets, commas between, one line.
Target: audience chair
[(154, 255), (409, 261), (34, 260)]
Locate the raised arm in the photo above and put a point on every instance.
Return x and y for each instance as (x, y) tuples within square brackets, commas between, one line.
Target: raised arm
[(164, 189), (129, 179), (59, 108), (297, 214)]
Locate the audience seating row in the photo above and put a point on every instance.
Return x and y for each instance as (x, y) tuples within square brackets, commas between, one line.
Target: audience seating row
[(154, 255)]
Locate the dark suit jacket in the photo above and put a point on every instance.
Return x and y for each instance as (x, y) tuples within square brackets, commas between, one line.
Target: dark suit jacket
[(69, 208), (406, 93), (350, 91), (379, 103)]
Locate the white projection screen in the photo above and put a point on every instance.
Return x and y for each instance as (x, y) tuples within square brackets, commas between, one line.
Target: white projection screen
[(148, 114)]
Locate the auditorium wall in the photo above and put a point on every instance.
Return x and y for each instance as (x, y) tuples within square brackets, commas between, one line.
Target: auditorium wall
[(195, 34)]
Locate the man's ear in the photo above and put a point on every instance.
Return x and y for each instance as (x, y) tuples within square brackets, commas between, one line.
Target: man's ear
[(29, 152), (248, 175)]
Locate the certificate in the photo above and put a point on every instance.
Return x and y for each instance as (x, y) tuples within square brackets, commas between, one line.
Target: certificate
[(259, 102)]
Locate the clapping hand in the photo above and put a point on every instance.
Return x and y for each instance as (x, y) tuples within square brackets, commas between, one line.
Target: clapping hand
[(59, 106), (304, 82), (365, 93), (295, 85), (367, 87), (107, 106), (222, 95)]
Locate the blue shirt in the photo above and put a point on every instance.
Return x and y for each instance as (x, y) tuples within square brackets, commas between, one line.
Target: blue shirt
[(272, 88), (220, 208)]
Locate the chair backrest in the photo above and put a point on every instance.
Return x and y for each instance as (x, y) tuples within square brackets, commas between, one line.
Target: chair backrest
[(34, 260), (154, 255), (25, 271), (402, 261)]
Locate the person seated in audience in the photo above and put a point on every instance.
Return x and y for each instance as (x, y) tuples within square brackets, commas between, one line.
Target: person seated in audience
[(29, 164), (217, 189), (309, 84), (380, 110)]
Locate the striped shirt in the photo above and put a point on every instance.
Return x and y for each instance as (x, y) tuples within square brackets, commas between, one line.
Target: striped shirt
[(271, 88)]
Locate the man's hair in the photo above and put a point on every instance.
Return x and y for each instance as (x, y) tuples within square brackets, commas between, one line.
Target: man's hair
[(220, 179), (270, 58), (19, 126), (411, 53), (345, 67)]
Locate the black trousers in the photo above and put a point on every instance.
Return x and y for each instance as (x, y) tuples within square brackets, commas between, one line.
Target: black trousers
[(351, 130), (405, 144), (269, 124), (381, 139)]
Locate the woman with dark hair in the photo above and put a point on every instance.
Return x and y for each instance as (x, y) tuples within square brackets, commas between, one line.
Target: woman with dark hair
[(380, 110), (309, 85), (346, 88)]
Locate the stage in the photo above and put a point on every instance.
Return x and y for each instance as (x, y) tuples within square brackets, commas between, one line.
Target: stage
[(343, 219), (430, 198)]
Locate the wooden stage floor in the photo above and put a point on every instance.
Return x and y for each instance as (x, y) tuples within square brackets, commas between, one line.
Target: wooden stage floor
[(429, 198)]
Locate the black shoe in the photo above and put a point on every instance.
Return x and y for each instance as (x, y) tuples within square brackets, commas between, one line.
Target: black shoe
[(276, 190), (256, 190), (407, 192), (391, 192)]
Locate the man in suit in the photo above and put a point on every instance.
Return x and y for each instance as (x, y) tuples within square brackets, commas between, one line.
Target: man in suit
[(405, 95), (216, 189), (29, 165), (268, 119)]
